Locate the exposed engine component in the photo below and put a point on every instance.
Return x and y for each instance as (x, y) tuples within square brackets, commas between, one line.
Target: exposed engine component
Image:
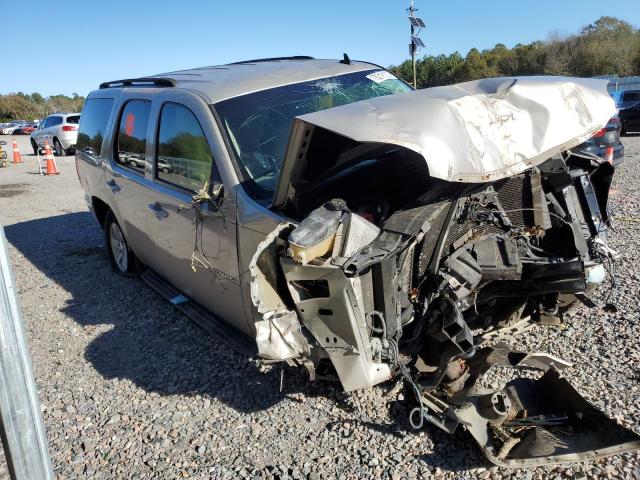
[(417, 294)]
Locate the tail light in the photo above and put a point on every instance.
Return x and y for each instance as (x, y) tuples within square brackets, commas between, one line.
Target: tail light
[(608, 155), (600, 133), (69, 128)]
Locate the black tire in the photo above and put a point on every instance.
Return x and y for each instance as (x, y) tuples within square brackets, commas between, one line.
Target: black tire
[(34, 145), (133, 163), (57, 148), (121, 258), (623, 131), (165, 170)]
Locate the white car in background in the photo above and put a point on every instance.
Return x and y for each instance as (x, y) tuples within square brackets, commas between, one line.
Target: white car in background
[(60, 131)]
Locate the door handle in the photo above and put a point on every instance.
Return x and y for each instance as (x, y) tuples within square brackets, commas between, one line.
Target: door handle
[(113, 186), (158, 211)]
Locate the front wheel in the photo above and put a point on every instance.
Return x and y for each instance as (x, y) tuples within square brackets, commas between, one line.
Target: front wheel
[(120, 255)]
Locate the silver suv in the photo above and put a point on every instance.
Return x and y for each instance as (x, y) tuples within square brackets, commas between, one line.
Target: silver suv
[(60, 131), (323, 214)]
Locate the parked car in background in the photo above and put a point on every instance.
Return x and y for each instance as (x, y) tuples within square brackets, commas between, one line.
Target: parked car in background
[(60, 131), (629, 111), (605, 144), (26, 129)]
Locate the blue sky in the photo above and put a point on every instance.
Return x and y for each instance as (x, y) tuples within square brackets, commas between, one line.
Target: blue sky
[(72, 46)]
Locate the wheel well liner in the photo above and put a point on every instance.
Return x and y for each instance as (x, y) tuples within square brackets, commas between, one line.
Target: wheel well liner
[(100, 209)]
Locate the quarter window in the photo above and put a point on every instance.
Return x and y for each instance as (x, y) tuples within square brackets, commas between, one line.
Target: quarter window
[(95, 116), (132, 135), (184, 157)]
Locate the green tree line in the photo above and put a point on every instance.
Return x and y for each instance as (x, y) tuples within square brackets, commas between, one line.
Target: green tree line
[(608, 46), (21, 106)]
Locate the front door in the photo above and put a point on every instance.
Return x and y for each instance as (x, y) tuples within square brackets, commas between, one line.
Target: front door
[(192, 243)]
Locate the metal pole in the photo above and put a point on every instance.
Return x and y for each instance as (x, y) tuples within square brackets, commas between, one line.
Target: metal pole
[(413, 47), (21, 425)]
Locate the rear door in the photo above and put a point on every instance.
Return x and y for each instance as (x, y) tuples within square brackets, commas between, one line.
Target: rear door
[(53, 123), (127, 186), (193, 244)]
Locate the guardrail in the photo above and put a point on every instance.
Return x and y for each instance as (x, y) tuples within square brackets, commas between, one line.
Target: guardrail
[(21, 425)]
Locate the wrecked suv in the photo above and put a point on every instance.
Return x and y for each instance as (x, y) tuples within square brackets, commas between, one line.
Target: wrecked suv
[(324, 214)]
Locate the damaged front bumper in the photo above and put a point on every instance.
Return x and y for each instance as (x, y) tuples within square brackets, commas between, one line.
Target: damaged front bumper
[(409, 276), (529, 422)]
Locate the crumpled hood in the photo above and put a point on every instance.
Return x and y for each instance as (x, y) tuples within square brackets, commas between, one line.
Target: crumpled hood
[(477, 131)]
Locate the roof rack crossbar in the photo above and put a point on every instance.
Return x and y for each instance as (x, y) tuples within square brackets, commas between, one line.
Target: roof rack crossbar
[(273, 59), (140, 82)]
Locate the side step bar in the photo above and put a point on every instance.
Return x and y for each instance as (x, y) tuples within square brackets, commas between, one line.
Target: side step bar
[(214, 326)]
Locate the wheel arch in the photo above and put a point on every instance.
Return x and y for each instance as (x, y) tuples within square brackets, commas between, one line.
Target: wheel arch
[(100, 210)]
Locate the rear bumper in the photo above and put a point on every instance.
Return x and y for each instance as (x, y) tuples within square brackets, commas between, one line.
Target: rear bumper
[(68, 140)]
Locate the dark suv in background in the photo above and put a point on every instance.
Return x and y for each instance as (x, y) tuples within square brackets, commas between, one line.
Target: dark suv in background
[(629, 106)]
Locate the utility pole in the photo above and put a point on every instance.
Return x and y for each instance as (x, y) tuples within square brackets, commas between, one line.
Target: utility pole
[(416, 24)]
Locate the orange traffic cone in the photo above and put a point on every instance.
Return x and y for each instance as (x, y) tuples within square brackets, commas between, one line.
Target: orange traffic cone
[(52, 168), (16, 153)]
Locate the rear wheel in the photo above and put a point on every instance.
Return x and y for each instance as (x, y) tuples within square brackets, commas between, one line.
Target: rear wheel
[(120, 255), (57, 146)]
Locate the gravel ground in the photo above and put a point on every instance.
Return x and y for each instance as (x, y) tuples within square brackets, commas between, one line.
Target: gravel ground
[(130, 389)]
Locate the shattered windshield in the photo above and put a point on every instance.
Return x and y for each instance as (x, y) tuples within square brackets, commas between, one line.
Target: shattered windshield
[(257, 124)]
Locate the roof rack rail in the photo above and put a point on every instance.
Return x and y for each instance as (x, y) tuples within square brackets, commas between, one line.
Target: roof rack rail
[(140, 82), (273, 59)]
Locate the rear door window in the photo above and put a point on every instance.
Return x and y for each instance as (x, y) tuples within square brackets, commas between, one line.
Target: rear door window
[(53, 121), (132, 135), (184, 158), (95, 116)]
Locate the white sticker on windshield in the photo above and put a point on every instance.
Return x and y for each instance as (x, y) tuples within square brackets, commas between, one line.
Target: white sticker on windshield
[(380, 76)]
